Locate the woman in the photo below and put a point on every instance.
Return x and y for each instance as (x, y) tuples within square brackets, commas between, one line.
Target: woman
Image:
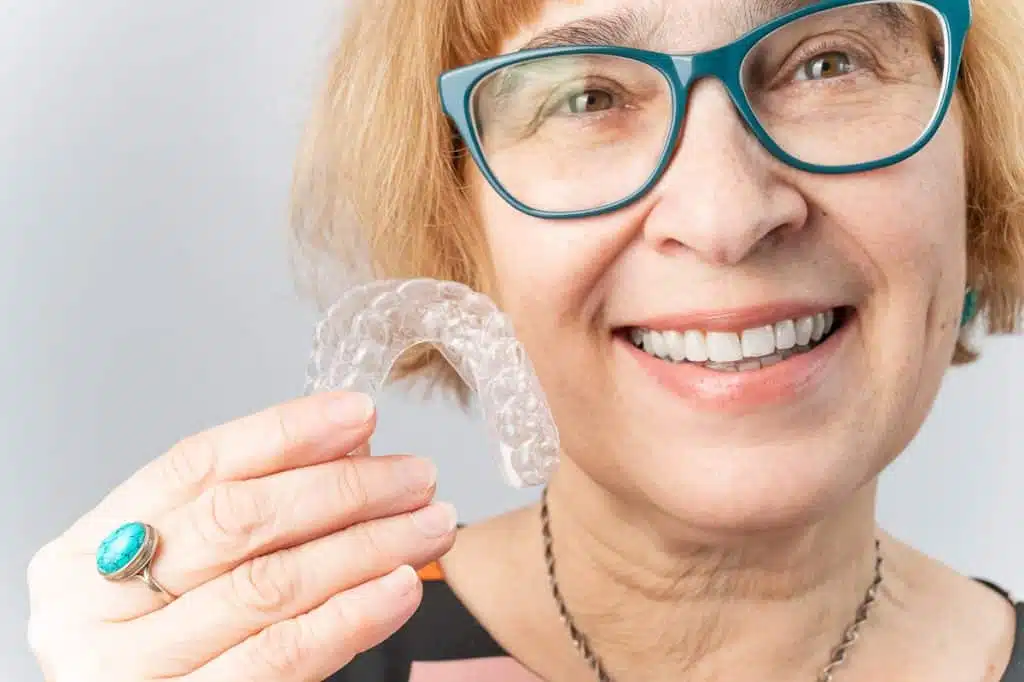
[(741, 276)]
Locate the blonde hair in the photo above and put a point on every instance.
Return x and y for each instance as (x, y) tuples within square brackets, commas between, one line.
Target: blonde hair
[(379, 183)]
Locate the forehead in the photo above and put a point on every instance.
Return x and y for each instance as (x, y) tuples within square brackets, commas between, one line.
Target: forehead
[(670, 25)]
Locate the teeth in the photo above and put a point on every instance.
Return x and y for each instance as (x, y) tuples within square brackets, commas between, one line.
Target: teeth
[(696, 347), (647, 342), (818, 328), (757, 343), (676, 346), (658, 345), (785, 334), (724, 347), (729, 351), (804, 329)]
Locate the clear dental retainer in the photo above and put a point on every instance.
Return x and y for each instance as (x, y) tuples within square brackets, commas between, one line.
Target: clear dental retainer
[(363, 334)]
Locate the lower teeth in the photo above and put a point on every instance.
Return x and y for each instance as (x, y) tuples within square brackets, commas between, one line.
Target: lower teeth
[(748, 364)]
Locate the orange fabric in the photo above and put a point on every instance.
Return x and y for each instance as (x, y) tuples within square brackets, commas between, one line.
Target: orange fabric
[(431, 571)]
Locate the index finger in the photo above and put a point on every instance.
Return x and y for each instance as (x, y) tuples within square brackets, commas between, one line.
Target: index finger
[(303, 432)]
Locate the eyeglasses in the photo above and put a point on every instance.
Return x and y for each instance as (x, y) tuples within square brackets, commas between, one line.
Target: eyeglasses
[(841, 86)]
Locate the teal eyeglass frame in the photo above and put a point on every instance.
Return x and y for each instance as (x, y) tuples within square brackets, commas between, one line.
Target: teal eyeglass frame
[(681, 72)]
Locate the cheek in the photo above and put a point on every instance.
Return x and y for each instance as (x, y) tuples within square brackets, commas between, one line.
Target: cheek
[(908, 224), (534, 284), (548, 273), (550, 278)]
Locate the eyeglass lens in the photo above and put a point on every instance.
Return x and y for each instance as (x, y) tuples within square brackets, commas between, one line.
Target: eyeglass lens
[(845, 86)]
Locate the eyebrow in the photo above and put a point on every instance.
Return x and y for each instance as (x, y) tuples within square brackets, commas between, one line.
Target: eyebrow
[(637, 28), (627, 27), (898, 18)]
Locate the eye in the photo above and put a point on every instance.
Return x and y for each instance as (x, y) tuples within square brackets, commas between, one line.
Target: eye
[(589, 101), (825, 66)]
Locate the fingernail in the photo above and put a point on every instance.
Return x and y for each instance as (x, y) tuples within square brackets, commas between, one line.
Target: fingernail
[(350, 409), (400, 581), (417, 474), (436, 520)]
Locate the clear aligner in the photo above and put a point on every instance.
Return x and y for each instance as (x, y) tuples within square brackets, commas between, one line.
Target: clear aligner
[(364, 333)]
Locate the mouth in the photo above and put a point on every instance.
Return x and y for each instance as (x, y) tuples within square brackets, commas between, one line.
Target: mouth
[(743, 350)]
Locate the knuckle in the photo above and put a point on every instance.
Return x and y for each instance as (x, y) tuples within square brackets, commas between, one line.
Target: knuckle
[(284, 433), (279, 649), (351, 615), (230, 515), (191, 464), (352, 488), (40, 566), (372, 548), (268, 584)]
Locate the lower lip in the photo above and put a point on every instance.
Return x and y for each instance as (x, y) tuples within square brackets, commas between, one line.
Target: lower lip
[(743, 391)]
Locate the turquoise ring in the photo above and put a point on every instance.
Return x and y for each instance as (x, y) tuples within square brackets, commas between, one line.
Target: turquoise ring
[(127, 553)]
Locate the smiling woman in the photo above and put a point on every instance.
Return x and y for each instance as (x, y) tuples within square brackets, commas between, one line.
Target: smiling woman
[(742, 244), (737, 239)]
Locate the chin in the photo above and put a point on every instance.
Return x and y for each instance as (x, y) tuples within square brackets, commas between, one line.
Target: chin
[(723, 447), (740, 490)]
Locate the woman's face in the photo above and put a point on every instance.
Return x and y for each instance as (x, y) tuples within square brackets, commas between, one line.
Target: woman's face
[(731, 240)]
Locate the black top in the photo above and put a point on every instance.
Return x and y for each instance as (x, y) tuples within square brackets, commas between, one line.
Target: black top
[(443, 642)]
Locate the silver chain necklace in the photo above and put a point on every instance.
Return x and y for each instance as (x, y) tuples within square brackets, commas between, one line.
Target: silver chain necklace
[(839, 653)]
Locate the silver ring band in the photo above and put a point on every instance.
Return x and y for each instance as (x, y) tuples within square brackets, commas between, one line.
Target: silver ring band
[(146, 577)]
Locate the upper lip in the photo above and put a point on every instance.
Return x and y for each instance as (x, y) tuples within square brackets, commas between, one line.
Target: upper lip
[(734, 319)]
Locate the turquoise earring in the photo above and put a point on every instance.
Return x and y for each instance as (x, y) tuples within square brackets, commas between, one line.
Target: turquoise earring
[(970, 307)]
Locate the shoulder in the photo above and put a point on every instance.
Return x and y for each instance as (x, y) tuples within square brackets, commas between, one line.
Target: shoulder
[(1015, 669), (441, 630), (999, 620), (944, 624)]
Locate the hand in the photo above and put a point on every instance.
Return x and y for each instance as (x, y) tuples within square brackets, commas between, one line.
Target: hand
[(286, 546)]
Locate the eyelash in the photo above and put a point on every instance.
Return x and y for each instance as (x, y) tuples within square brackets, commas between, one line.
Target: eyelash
[(826, 46), (800, 57), (588, 83)]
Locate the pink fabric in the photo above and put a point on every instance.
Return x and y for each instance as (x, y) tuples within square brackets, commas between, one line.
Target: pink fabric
[(503, 669)]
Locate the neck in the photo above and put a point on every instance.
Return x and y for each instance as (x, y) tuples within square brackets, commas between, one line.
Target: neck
[(651, 594)]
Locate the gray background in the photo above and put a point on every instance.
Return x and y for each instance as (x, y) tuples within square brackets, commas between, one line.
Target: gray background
[(145, 157)]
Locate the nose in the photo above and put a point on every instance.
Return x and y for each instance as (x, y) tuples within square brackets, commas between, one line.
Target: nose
[(723, 195)]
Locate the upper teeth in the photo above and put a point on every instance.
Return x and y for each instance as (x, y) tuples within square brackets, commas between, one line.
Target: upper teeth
[(759, 342)]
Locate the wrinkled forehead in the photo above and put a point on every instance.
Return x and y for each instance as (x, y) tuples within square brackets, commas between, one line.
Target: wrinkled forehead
[(667, 25)]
